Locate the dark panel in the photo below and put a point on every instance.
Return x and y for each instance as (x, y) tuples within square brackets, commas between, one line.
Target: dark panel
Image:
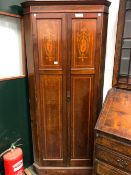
[(51, 114), (80, 124)]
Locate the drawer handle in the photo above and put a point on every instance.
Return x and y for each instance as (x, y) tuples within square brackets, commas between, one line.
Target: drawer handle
[(122, 163), (97, 135)]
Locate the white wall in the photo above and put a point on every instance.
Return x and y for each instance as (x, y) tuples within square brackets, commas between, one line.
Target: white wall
[(110, 47), (11, 62)]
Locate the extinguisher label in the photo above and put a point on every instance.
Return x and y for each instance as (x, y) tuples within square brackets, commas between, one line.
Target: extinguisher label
[(18, 166)]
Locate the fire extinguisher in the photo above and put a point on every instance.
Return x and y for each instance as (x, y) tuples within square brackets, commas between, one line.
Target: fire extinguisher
[(13, 160)]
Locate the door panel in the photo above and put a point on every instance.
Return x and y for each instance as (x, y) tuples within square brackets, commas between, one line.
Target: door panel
[(51, 108), (50, 43), (81, 113), (83, 42)]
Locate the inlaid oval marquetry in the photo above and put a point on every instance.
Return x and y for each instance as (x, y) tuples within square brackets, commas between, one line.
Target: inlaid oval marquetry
[(83, 42), (83, 45), (49, 42), (49, 47)]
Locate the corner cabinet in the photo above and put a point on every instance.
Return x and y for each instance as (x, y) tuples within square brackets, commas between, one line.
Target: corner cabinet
[(65, 48)]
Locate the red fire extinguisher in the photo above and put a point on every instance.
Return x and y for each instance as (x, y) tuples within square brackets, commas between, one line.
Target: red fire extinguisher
[(13, 160)]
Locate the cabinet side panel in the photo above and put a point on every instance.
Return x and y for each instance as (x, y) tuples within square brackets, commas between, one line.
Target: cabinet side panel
[(31, 82)]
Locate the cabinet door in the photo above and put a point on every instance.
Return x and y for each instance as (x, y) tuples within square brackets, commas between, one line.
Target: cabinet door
[(51, 87), (83, 34), (122, 60)]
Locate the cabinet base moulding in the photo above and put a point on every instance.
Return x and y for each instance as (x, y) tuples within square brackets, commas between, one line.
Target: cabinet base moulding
[(62, 170)]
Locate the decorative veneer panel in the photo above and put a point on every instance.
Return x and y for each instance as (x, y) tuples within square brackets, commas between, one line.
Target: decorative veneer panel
[(51, 115)]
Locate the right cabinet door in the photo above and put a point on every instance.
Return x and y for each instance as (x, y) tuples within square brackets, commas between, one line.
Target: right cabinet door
[(83, 32), (122, 61)]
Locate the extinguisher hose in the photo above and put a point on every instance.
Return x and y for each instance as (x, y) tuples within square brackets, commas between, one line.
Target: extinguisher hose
[(1, 155), (12, 147)]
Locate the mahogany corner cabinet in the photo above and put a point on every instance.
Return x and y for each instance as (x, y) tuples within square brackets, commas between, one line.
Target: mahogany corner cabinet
[(65, 48)]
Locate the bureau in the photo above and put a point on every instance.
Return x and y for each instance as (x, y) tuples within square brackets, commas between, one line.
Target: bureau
[(112, 155)]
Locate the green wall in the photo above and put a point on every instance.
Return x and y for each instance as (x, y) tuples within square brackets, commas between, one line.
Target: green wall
[(14, 116), (11, 6), (14, 106)]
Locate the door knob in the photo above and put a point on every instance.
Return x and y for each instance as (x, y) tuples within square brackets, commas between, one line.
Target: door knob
[(68, 98)]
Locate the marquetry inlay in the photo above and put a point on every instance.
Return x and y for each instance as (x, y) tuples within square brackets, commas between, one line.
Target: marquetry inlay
[(50, 43), (83, 44), (83, 40)]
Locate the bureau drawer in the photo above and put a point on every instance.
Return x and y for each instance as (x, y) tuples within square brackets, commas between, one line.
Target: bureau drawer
[(101, 168), (112, 144), (113, 158)]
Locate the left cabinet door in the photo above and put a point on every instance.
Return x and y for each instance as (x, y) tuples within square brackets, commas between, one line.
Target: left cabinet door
[(49, 45)]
